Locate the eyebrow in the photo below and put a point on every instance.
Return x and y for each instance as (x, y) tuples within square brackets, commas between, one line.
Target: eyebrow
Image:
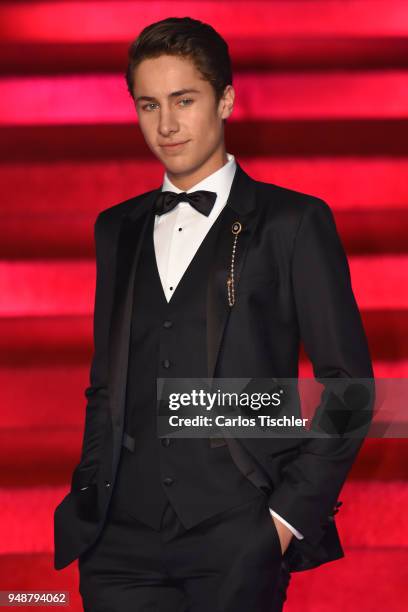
[(173, 94)]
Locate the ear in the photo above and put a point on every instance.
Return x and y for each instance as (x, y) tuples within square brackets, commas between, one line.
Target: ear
[(227, 102)]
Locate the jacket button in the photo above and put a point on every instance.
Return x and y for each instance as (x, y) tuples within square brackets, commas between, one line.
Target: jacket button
[(167, 324), (168, 481), (166, 363), (165, 441), (107, 484)]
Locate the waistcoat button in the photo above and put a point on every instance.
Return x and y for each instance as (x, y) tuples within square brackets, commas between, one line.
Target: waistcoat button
[(165, 441), (166, 363), (168, 481), (167, 324)]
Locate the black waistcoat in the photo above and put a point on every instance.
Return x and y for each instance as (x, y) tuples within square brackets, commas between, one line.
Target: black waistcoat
[(168, 339)]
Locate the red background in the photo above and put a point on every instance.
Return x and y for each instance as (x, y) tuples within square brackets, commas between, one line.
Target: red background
[(321, 107)]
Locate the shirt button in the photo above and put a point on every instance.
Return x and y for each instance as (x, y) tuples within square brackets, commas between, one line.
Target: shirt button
[(107, 484), (165, 441), (166, 363), (167, 324), (168, 481)]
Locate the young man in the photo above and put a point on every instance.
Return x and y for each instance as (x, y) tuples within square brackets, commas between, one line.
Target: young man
[(149, 517)]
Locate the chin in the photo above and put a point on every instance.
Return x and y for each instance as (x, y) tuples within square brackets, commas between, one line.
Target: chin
[(178, 166)]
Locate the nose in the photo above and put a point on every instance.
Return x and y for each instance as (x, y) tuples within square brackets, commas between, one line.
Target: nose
[(167, 122)]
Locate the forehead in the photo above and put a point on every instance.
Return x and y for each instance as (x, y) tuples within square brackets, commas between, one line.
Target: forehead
[(159, 76)]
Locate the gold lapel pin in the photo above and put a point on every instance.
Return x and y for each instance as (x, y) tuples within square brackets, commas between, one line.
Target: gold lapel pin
[(235, 229)]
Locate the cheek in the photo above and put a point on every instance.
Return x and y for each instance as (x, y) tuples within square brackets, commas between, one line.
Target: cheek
[(204, 125), (146, 128), (147, 123)]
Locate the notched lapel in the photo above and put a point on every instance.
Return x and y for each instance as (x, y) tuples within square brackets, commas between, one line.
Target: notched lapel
[(240, 206)]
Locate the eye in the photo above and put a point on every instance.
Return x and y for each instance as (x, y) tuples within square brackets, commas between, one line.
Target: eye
[(149, 104), (186, 100)]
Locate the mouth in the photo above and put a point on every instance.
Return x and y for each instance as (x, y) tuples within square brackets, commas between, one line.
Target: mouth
[(172, 146)]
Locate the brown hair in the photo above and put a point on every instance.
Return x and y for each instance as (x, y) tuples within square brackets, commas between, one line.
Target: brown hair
[(189, 38)]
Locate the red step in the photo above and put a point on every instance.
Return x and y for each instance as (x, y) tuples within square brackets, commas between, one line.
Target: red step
[(111, 21), (103, 99), (366, 580), (370, 516), (380, 460)]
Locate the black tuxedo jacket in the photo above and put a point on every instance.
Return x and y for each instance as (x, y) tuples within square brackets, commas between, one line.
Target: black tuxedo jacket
[(292, 284)]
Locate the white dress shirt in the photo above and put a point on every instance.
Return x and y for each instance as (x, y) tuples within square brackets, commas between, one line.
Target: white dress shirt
[(179, 233)]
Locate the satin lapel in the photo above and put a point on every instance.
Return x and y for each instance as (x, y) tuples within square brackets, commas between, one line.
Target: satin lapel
[(131, 232), (241, 206)]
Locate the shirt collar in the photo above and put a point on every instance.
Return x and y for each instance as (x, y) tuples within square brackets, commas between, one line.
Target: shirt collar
[(219, 181)]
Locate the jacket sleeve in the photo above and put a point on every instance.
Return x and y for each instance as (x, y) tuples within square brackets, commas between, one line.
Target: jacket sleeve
[(333, 336), (97, 406)]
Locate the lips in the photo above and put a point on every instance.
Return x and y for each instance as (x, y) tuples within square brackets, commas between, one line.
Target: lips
[(171, 145)]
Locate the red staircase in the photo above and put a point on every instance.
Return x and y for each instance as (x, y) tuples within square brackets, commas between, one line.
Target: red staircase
[(321, 107)]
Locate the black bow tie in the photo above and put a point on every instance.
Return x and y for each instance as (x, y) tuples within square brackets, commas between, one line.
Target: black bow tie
[(201, 200)]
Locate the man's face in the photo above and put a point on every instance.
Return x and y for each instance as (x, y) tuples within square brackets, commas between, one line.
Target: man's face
[(169, 114)]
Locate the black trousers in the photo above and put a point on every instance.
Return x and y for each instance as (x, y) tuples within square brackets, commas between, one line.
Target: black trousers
[(231, 562)]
